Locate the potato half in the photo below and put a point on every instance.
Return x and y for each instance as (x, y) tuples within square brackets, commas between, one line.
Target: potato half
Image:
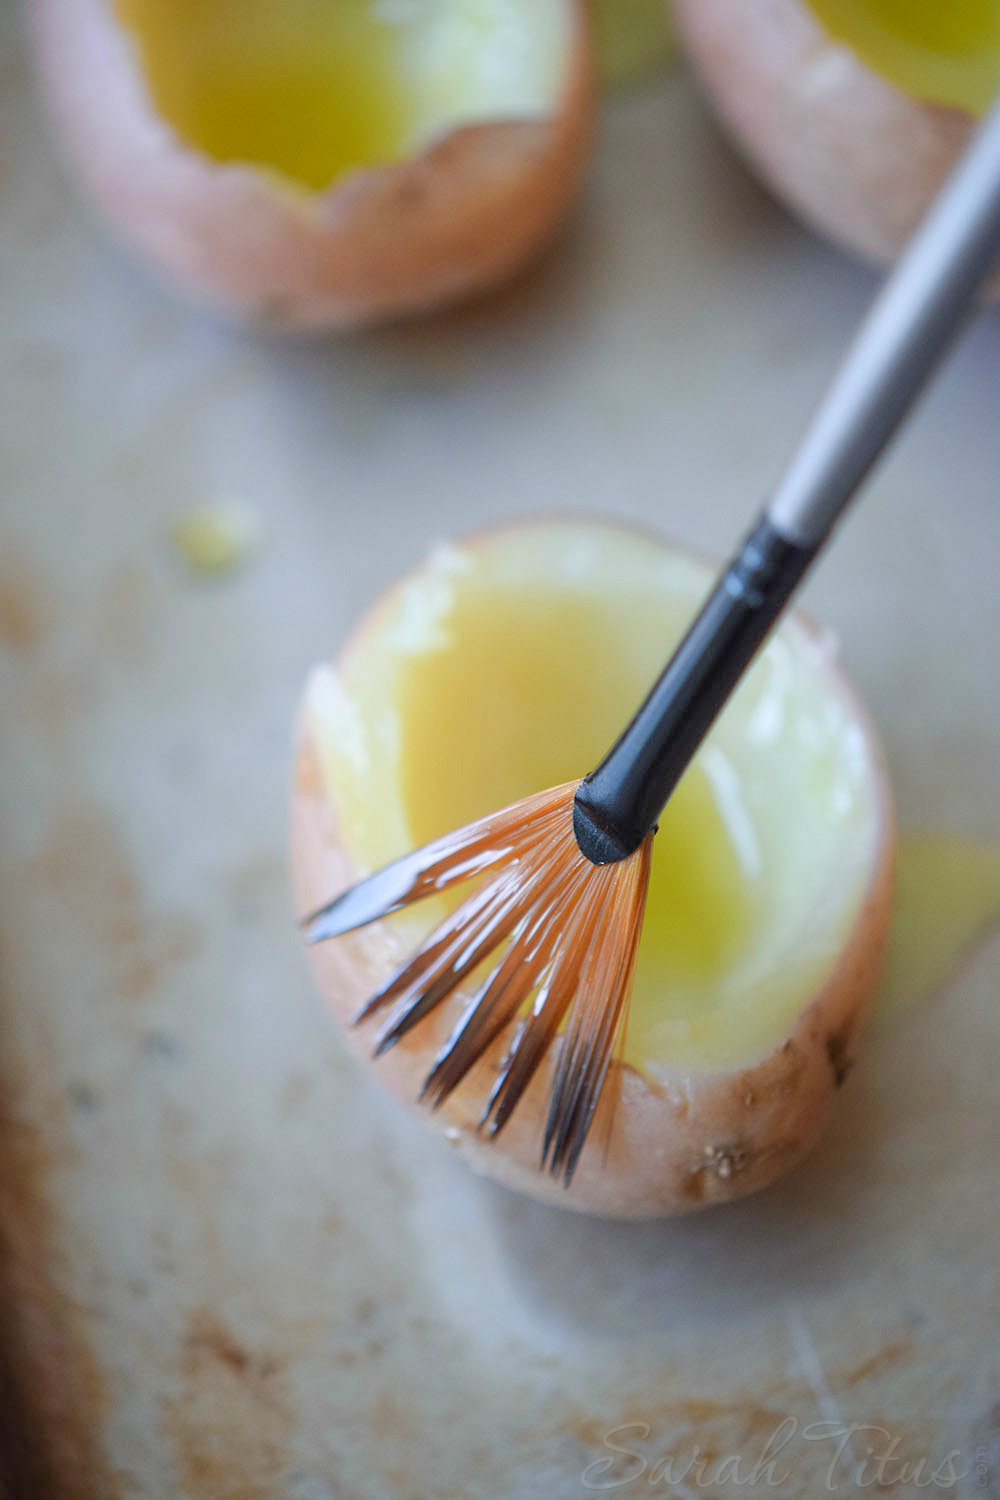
[(507, 663), (312, 166), (852, 110)]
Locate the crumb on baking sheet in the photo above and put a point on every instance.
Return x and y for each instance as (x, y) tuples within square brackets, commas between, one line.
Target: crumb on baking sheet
[(214, 538)]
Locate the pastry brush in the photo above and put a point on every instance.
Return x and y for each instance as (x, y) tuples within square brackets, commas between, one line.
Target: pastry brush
[(550, 931)]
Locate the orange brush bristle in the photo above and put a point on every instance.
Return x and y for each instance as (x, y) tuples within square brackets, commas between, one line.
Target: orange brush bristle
[(565, 934)]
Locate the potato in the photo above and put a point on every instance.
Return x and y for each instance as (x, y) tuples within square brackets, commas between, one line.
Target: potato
[(303, 178), (771, 890), (853, 155)]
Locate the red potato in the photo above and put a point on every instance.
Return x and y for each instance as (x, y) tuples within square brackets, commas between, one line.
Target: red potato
[(698, 1118), (853, 156), (468, 208)]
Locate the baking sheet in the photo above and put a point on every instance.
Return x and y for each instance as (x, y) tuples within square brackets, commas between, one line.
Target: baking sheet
[(231, 1267)]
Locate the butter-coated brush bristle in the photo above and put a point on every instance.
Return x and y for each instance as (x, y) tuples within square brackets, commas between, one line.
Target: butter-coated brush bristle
[(567, 932)]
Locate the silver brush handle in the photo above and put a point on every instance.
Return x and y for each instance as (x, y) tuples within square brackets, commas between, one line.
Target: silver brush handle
[(920, 310)]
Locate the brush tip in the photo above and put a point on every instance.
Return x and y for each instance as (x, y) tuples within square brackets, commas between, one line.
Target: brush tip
[(324, 924)]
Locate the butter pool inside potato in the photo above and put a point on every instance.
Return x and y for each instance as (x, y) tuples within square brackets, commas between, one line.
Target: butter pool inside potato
[(509, 665), (939, 51), (316, 90)]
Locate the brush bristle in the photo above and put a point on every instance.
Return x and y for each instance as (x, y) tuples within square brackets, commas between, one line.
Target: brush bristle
[(571, 930)]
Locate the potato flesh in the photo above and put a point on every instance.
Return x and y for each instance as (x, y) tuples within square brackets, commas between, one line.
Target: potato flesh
[(511, 665), (938, 51), (314, 90)]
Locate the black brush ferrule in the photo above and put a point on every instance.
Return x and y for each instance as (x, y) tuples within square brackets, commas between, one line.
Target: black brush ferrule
[(620, 802)]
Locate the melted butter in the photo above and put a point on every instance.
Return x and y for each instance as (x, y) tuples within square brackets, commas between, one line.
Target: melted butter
[(633, 38), (941, 51), (316, 89), (947, 900), (552, 657), (309, 89)]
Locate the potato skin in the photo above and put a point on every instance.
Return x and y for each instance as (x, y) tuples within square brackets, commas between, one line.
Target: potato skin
[(853, 156), (448, 224), (700, 1139)]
